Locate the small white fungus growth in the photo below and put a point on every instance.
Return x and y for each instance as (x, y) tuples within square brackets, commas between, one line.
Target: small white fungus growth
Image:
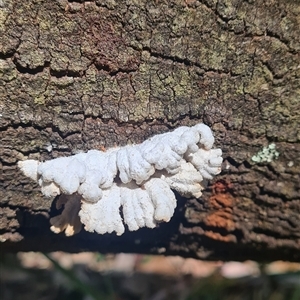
[(267, 154), (130, 185)]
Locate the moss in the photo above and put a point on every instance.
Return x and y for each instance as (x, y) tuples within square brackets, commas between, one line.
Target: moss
[(7, 70), (39, 100)]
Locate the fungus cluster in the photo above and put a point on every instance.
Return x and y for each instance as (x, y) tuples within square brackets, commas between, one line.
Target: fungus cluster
[(129, 185), (267, 154)]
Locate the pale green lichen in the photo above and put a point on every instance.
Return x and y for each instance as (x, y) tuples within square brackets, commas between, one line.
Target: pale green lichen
[(267, 154)]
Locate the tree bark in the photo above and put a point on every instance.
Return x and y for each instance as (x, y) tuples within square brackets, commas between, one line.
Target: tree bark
[(85, 75)]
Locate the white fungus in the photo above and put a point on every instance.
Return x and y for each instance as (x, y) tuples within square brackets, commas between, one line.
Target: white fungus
[(130, 185)]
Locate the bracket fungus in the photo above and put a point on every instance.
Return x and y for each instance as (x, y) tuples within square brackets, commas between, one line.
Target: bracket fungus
[(130, 185)]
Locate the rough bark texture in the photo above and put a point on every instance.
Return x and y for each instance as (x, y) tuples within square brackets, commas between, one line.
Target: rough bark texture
[(80, 75)]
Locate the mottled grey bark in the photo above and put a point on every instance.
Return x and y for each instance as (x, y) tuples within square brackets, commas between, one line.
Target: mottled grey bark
[(80, 75)]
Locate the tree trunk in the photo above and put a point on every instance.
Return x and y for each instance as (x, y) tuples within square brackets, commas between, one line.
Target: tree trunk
[(86, 75)]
